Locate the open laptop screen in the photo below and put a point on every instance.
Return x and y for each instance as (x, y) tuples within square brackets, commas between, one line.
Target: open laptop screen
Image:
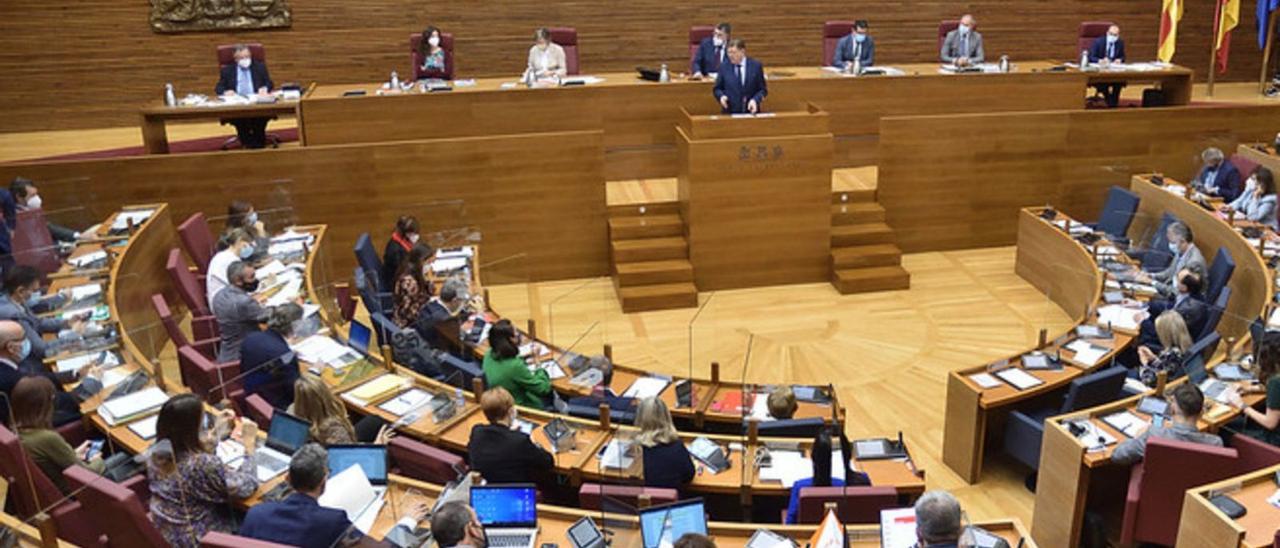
[(358, 337), (287, 433), (506, 505), (672, 521), (371, 458)]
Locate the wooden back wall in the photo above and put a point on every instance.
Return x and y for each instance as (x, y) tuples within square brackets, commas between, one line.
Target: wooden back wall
[(90, 63)]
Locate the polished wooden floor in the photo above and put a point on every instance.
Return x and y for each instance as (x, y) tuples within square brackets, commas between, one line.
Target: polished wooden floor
[(887, 353)]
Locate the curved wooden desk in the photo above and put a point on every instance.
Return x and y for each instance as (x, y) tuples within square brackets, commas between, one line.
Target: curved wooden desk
[(1203, 524), (1263, 154)]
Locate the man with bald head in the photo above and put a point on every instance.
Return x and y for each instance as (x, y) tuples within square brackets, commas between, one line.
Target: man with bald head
[(14, 347)]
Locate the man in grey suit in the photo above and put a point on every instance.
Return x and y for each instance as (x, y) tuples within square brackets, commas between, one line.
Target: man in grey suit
[(963, 46), (1186, 256)]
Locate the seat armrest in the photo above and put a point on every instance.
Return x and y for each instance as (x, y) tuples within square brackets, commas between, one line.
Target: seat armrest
[(138, 484)]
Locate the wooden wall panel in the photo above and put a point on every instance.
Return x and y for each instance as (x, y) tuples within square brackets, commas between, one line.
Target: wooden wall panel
[(957, 181), (90, 63), (537, 200)]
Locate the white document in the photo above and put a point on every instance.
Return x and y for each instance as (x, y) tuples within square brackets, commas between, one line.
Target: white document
[(321, 350), (985, 380), (787, 467), (86, 291), (273, 267), (617, 455), (898, 528), (1086, 354), (74, 363), (125, 407), (1119, 317), (145, 428), (760, 408), (88, 258), (1274, 321), (112, 377), (440, 266), (551, 367), (407, 402), (1126, 422), (287, 294), (465, 251), (646, 387), (349, 491), (1136, 386), (137, 217), (1018, 378)]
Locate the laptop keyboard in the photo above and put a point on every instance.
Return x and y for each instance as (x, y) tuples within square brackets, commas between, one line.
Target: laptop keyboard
[(510, 540), (269, 461)]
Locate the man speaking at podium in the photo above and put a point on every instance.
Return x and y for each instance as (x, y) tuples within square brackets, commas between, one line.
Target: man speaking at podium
[(740, 87)]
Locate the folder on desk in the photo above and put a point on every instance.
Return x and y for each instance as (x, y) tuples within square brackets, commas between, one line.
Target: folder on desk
[(138, 404), (375, 389), (1018, 378)]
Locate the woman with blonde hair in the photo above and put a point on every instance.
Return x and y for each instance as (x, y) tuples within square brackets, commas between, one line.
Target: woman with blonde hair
[(315, 402), (666, 460), (1175, 340)]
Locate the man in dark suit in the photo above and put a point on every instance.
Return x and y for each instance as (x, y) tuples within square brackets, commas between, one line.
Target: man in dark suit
[(26, 195), (1189, 303), (246, 78), (740, 87), (446, 306), (14, 349), (1218, 177), (1107, 49), (712, 52), (857, 45)]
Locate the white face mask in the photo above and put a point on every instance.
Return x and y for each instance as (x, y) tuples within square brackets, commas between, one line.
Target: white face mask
[(717, 41), (1111, 38), (1251, 184), (1173, 248), (244, 63), (434, 41), (413, 238), (964, 29), (35, 202)]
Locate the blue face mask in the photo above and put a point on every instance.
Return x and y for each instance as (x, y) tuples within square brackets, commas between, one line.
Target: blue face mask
[(251, 218), (32, 300), (860, 37), (246, 252), (26, 349), (1111, 38), (1173, 248)]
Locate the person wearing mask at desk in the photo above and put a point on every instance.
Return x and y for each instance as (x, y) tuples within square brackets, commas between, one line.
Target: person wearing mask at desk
[(1186, 256), (503, 367), (26, 195), (435, 60), (412, 290), (242, 215), (237, 246), (499, 450), (858, 45), (740, 87), (267, 365), (315, 402), (1170, 355), (667, 462), (546, 58), (246, 78), (1265, 424), (403, 238), (449, 305), (1218, 177), (963, 46), (33, 405), (20, 302), (1107, 49), (938, 520), (454, 524), (192, 491), (602, 393), (237, 311), (1258, 200), (712, 52), (1186, 402), (819, 455), (14, 348), (1188, 302)]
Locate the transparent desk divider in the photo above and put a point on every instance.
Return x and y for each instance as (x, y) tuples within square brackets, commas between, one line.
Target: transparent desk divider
[(619, 464), (72, 203), (577, 314), (272, 200), (503, 286)]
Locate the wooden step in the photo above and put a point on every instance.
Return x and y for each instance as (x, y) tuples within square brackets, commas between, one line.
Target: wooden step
[(645, 226), (856, 212), (866, 280), (853, 196), (864, 256), (649, 249), (653, 272), (658, 297), (651, 208), (861, 234)]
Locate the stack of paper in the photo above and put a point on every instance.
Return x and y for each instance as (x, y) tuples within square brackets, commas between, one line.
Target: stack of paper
[(1018, 378), (376, 388), (104, 358), (1086, 354), (137, 404), (85, 292), (1127, 423), (320, 349), (1119, 317), (136, 217), (286, 294), (617, 455), (787, 467), (646, 387), (88, 259), (984, 380)]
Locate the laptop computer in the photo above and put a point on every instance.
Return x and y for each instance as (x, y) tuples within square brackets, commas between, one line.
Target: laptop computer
[(286, 434), (509, 513), (371, 458), (358, 337), (661, 526)]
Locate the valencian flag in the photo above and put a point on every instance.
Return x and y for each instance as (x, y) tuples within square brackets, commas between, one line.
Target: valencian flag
[(1170, 14), (1228, 18)]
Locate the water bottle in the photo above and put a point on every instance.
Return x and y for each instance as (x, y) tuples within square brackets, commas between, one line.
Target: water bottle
[(458, 399), (857, 65), (395, 80), (169, 99), (664, 76), (528, 77), (1084, 59), (1004, 63)]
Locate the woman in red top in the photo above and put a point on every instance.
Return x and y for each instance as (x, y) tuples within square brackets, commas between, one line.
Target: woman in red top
[(402, 240)]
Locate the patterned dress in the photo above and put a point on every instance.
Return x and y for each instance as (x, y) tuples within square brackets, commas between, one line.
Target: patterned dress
[(198, 497)]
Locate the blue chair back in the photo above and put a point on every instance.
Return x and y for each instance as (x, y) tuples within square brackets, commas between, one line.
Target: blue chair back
[(1157, 256), (1023, 435), (1215, 314), (1196, 356), (1219, 274), (1094, 389), (372, 304), (383, 327), (1257, 329), (806, 428), (1118, 212), (460, 370), (367, 258), (583, 411)]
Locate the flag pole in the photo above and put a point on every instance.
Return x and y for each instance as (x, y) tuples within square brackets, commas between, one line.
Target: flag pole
[(1213, 46), (1266, 52)]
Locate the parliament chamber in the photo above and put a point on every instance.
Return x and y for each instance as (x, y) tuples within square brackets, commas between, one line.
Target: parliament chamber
[(408, 289)]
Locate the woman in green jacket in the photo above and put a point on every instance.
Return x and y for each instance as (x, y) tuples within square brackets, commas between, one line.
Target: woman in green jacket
[(504, 367)]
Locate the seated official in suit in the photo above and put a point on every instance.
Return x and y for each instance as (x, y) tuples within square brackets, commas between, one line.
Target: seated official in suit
[(666, 460), (782, 403), (962, 47), (434, 58), (1186, 402), (246, 78), (546, 58), (1107, 49), (20, 302), (33, 404), (1188, 301), (455, 523), (267, 365), (1218, 177), (27, 196), (450, 304), (503, 367), (1169, 354), (712, 52), (603, 393), (237, 311), (1185, 256), (299, 520), (499, 450), (740, 88), (858, 45), (824, 444), (237, 246), (1263, 425), (1258, 200), (14, 348), (938, 520)]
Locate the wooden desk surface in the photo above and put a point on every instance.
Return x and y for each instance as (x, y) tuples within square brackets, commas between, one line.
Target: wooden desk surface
[(1202, 521), (160, 111)]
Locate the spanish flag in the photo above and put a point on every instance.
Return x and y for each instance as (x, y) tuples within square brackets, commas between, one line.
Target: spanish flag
[(1228, 18), (1170, 14)]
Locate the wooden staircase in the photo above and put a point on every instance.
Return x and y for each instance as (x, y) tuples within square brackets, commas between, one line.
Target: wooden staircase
[(864, 257), (650, 258)]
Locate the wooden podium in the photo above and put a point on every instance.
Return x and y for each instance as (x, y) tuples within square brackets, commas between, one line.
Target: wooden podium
[(755, 194)]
